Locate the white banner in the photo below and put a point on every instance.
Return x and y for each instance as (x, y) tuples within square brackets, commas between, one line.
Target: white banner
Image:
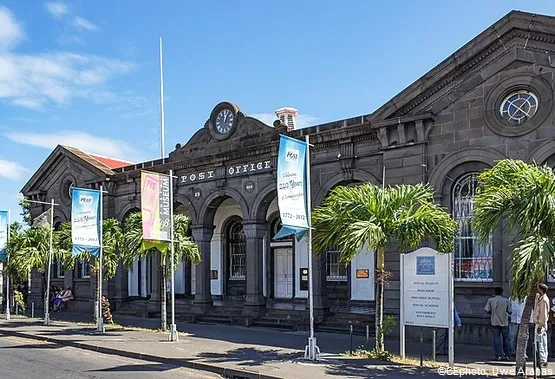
[(292, 187)]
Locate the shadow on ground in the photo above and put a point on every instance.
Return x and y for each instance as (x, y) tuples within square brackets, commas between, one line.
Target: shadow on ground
[(137, 368)]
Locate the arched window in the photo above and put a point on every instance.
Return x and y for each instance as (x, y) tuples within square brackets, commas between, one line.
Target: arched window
[(473, 261), (236, 247)]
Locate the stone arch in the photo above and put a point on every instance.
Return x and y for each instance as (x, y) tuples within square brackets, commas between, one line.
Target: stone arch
[(262, 202), (454, 175), (213, 201), (477, 154), (358, 176), (182, 200), (60, 215), (127, 210), (542, 153)]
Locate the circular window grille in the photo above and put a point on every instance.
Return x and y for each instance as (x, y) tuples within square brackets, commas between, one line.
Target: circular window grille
[(518, 107)]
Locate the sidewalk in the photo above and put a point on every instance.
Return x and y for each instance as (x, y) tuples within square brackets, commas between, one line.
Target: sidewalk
[(239, 351)]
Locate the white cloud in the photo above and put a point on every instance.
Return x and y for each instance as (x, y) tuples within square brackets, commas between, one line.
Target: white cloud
[(81, 23), (57, 8), (34, 80), (91, 144), (10, 31), (11, 170), (303, 120)]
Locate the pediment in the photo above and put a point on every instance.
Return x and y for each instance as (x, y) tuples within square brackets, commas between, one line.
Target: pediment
[(518, 38), (65, 161), (249, 133)]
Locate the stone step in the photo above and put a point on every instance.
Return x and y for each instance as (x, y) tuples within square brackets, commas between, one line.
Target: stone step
[(343, 328), (214, 319), (271, 324)]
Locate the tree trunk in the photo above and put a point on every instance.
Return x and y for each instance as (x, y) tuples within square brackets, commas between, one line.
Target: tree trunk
[(522, 330), (379, 300), (163, 316)]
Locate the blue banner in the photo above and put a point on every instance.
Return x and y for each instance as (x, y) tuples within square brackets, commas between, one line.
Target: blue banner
[(292, 187), (3, 234), (85, 221)]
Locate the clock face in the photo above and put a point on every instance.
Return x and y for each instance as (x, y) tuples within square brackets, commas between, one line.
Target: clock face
[(224, 121)]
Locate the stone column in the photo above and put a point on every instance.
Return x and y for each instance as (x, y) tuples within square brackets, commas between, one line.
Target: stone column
[(202, 235), (154, 303), (121, 284), (254, 232)]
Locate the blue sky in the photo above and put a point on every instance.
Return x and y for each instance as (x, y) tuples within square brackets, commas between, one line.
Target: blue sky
[(86, 73)]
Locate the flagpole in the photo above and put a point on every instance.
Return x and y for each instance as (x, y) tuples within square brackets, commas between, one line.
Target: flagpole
[(162, 121), (173, 329), (47, 306), (312, 351), (8, 276), (100, 318)]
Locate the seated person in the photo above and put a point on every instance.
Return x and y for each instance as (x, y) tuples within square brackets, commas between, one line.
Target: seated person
[(62, 298)]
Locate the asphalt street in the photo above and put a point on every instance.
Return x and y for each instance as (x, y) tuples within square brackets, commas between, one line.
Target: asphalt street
[(31, 359)]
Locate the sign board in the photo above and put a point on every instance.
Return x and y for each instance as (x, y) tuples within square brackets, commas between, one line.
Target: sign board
[(3, 234), (427, 293), (426, 275)]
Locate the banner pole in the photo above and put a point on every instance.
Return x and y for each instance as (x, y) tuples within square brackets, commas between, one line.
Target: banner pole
[(162, 121), (47, 305), (8, 276), (312, 351), (173, 330), (100, 319)]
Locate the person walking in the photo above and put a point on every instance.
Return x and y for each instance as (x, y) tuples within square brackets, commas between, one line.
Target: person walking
[(541, 318), (442, 337), (499, 309)]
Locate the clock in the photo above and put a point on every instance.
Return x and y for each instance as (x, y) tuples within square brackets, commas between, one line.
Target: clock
[(223, 120)]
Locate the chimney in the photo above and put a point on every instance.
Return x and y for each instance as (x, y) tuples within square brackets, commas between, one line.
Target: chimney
[(288, 116)]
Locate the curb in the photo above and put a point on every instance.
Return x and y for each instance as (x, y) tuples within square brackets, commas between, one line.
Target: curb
[(225, 372)]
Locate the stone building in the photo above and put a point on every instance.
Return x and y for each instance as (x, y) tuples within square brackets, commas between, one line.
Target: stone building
[(491, 99)]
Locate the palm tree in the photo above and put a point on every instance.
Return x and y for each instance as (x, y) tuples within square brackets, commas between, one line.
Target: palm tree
[(523, 195), (112, 237), (352, 217), (135, 247)]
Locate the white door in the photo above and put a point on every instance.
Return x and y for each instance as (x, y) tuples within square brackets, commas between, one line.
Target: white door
[(193, 278), (362, 276), (283, 273)]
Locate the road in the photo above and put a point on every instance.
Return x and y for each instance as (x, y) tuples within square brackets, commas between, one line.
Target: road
[(31, 359)]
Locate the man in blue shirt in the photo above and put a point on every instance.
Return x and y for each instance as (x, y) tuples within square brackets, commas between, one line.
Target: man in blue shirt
[(442, 337)]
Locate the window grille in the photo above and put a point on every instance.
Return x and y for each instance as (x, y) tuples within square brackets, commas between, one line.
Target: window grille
[(335, 271), (473, 261), (237, 251)]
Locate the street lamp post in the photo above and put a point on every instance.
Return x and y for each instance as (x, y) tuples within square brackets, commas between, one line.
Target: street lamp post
[(50, 250)]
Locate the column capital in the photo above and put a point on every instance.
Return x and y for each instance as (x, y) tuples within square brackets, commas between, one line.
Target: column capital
[(255, 228), (202, 232)]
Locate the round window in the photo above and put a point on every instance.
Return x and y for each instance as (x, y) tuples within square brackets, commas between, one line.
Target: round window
[(518, 107)]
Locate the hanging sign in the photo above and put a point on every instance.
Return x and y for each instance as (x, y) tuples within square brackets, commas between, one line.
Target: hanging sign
[(292, 187), (155, 206), (3, 234), (85, 221)]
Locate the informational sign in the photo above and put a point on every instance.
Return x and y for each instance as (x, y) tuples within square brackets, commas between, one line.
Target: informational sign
[(85, 221), (3, 234), (292, 187), (155, 206), (426, 289)]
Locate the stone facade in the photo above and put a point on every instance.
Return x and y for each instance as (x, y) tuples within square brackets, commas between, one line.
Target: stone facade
[(448, 124)]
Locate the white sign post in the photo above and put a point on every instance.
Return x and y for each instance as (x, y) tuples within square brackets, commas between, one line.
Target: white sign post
[(427, 293)]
